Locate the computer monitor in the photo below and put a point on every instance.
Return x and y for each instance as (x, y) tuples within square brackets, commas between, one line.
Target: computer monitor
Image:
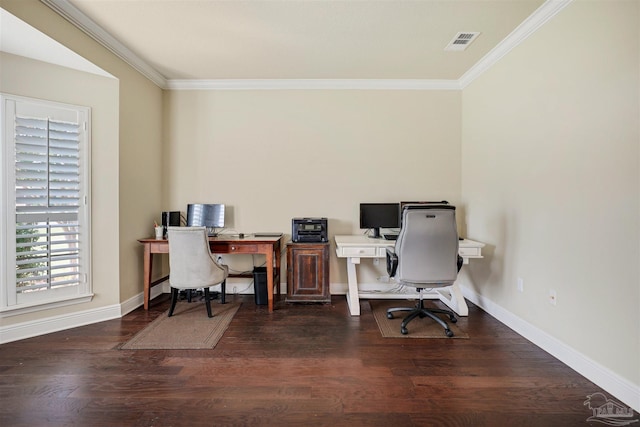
[(205, 215), (375, 216)]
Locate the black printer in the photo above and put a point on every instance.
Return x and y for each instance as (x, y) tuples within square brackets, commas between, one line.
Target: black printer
[(309, 230)]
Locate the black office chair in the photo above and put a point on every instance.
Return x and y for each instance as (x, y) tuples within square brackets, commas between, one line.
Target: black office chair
[(425, 257)]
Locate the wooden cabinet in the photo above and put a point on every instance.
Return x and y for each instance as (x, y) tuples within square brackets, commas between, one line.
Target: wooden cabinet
[(308, 272)]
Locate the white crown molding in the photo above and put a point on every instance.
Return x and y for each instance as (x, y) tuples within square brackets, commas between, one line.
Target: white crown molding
[(537, 19), (311, 84), (545, 12), (87, 25)]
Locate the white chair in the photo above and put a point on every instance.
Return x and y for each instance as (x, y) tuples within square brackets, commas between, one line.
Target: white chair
[(191, 264), (425, 257)]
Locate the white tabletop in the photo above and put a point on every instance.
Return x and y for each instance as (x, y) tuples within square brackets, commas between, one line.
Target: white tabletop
[(363, 240)]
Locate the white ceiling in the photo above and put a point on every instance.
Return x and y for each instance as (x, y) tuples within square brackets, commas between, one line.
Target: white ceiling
[(399, 40)]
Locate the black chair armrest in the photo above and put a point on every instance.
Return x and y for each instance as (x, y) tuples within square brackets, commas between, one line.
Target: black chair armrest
[(392, 262)]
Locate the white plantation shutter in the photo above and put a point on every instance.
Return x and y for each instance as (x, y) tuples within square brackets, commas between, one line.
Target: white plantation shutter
[(47, 165), (47, 203), (49, 160)]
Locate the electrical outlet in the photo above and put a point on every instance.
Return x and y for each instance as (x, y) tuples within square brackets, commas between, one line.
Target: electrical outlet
[(520, 284), (553, 299)]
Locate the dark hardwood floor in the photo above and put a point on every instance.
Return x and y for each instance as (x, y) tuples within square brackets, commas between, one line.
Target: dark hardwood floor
[(302, 365)]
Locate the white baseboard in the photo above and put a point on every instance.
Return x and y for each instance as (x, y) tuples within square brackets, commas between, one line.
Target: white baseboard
[(620, 388), (138, 300), (48, 325), (62, 322), (34, 328)]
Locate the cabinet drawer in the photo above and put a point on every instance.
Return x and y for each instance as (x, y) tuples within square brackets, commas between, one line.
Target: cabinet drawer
[(233, 248), (362, 252), (469, 252)]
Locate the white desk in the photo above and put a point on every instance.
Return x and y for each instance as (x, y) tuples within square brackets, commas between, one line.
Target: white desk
[(354, 248)]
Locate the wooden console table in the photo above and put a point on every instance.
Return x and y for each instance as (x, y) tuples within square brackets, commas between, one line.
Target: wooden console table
[(270, 247)]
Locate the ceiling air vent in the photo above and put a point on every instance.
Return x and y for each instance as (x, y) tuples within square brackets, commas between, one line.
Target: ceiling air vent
[(462, 40)]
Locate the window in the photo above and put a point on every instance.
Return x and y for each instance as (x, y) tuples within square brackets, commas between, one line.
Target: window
[(45, 247)]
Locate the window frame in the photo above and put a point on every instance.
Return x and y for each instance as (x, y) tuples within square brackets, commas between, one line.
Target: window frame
[(11, 303)]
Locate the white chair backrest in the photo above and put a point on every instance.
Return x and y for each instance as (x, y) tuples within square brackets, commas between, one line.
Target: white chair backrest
[(191, 264), (427, 246)]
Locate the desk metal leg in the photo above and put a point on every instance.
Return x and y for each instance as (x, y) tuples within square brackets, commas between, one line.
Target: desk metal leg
[(353, 299)]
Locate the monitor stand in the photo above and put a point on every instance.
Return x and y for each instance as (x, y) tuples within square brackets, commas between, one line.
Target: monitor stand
[(376, 233)]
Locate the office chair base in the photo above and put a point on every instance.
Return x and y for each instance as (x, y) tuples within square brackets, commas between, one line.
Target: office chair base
[(420, 311)]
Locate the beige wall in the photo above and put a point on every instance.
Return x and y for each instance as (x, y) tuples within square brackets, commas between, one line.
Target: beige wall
[(128, 173), (273, 155), (140, 174), (22, 76), (550, 177)]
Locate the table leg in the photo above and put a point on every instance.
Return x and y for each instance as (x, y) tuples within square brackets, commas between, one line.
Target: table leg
[(270, 279), (147, 269), (453, 298), (353, 299), (277, 266)]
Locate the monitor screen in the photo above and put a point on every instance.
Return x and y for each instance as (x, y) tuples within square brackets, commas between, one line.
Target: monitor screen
[(205, 215), (379, 215)]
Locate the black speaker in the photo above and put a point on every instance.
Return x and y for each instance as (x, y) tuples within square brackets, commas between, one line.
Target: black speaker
[(170, 219)]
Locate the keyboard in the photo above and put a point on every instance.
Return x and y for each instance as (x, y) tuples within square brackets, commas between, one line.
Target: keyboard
[(390, 236)]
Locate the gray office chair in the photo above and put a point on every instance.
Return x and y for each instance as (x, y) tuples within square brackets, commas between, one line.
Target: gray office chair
[(425, 257), (191, 264)]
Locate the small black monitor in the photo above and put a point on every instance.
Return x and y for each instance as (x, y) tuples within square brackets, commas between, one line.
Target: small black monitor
[(205, 215), (375, 216)]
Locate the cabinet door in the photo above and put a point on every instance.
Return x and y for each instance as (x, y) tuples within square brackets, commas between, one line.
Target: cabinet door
[(308, 272)]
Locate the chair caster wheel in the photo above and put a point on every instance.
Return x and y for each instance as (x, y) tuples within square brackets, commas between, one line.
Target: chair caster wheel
[(453, 319), (448, 333), (389, 315), (404, 331)]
